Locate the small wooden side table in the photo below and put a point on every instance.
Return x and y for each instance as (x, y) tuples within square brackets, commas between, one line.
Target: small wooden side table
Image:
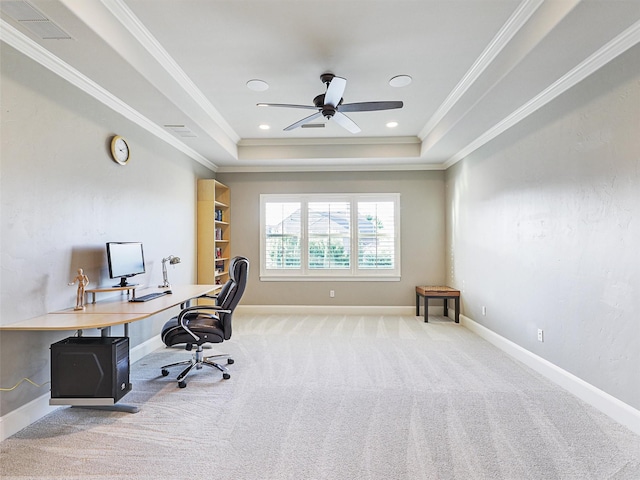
[(444, 293)]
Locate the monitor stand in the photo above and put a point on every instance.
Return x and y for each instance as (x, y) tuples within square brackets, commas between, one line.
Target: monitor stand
[(115, 288), (123, 283)]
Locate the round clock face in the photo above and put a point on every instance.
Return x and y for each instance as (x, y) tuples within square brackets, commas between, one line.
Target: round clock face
[(120, 150)]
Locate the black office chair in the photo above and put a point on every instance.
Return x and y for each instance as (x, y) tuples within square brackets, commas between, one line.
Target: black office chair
[(202, 324)]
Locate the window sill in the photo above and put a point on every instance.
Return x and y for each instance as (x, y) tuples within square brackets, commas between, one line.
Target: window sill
[(324, 278)]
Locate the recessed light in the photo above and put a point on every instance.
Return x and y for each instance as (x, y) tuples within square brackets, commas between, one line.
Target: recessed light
[(264, 126), (400, 81), (392, 124), (257, 85)]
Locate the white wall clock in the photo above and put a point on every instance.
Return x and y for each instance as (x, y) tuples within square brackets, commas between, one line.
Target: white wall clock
[(120, 150)]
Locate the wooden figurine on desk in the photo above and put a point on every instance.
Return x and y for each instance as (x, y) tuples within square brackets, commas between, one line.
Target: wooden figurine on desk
[(83, 281)]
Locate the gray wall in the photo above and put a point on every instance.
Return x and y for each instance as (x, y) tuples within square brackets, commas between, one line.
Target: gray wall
[(62, 198), (422, 234), (543, 229)]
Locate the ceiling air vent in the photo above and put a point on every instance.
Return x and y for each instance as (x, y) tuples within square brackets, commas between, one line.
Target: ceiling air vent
[(180, 130), (34, 20), (313, 125)]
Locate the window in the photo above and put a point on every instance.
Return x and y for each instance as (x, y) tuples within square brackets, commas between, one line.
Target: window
[(330, 236)]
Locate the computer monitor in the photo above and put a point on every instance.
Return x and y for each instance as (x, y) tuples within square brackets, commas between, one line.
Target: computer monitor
[(125, 259)]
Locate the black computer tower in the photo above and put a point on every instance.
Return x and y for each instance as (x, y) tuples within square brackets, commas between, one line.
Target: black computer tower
[(90, 367)]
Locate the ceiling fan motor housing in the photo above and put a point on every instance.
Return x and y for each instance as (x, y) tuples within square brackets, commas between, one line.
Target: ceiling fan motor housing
[(327, 110)]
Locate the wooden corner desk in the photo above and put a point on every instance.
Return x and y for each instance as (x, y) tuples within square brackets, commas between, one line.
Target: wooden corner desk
[(107, 313), (112, 311)]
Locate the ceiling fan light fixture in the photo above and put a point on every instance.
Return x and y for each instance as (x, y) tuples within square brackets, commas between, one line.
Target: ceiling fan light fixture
[(257, 85), (400, 81)]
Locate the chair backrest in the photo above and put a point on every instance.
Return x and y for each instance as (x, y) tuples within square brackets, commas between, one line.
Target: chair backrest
[(232, 291)]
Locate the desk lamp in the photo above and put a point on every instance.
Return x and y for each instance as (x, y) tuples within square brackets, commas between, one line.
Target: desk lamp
[(172, 261)]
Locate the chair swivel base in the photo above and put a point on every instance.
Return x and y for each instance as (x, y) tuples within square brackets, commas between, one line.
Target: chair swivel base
[(197, 361)]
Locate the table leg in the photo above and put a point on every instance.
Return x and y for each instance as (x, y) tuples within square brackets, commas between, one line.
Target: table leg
[(426, 309), (457, 309), (417, 304), (446, 307)]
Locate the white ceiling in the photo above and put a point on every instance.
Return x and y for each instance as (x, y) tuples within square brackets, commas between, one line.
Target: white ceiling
[(478, 67)]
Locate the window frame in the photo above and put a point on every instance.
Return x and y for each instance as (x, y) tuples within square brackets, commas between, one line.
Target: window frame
[(353, 273)]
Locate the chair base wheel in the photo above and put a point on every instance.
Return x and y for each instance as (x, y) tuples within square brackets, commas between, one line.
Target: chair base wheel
[(198, 362)]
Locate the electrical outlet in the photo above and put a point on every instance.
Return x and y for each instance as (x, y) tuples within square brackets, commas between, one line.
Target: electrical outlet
[(332, 293), (484, 311), (540, 335)]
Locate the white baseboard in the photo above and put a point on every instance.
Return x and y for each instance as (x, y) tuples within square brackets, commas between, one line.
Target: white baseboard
[(607, 404), (329, 310), (22, 417), (145, 348)]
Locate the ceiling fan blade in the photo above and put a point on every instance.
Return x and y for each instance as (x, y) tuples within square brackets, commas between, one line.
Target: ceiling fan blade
[(287, 105), (346, 122), (335, 91), (303, 121), (369, 106)]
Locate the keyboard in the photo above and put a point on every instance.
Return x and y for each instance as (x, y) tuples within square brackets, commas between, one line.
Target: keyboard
[(148, 296)]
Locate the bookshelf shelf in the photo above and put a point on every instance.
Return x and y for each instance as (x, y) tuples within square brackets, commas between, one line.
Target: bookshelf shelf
[(214, 230)]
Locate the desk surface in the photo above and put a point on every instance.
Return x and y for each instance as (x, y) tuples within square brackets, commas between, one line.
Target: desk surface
[(111, 311)]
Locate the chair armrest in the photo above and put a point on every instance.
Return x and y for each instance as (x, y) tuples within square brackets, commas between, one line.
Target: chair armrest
[(184, 311), (206, 295), (212, 307)]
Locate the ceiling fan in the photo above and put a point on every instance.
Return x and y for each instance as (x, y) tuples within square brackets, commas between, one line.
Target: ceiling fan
[(329, 105)]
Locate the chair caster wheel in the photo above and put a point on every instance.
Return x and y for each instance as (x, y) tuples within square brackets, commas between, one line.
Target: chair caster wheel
[(226, 376), (182, 384), (165, 372), (230, 361)]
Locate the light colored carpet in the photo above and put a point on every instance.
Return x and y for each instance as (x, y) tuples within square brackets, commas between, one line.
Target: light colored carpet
[(334, 397)]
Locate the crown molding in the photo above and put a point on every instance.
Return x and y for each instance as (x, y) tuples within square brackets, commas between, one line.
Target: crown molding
[(330, 168), (130, 21), (11, 36), (517, 20), (617, 46), (266, 142)]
